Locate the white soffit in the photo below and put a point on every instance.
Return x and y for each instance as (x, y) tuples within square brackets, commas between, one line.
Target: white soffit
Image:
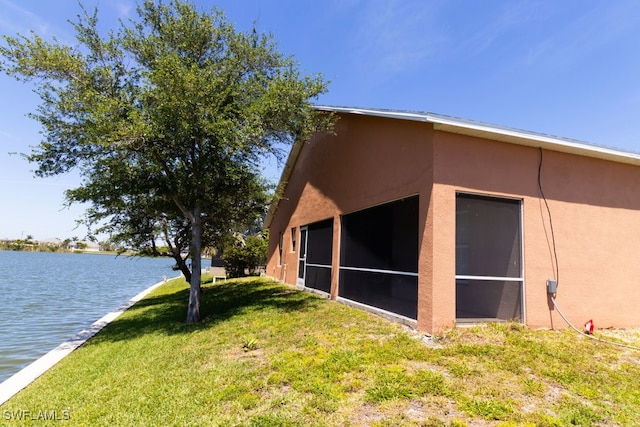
[(499, 133)]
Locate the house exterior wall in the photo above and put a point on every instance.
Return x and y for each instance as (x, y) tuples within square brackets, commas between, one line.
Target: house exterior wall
[(353, 170), (595, 212), (594, 204)]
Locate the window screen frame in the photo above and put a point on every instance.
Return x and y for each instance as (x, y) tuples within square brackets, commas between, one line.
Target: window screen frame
[(486, 278), (302, 256), (390, 272), (305, 262)]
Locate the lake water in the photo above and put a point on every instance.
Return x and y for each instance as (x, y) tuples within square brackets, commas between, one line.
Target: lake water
[(48, 297)]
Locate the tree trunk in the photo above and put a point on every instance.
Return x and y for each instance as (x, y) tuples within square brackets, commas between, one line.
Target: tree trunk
[(193, 311), (182, 266)]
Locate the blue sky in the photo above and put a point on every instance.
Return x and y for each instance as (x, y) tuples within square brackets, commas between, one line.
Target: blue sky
[(568, 68)]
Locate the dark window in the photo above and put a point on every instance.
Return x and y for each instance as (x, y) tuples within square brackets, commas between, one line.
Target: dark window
[(294, 235), (488, 236), (488, 258), (379, 257)]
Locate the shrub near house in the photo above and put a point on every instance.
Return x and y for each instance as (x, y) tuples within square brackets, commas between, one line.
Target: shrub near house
[(245, 256)]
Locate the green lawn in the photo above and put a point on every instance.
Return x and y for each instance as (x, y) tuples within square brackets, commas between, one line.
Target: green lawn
[(269, 355)]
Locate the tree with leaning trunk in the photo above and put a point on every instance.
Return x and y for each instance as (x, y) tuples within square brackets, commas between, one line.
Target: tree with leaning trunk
[(166, 119)]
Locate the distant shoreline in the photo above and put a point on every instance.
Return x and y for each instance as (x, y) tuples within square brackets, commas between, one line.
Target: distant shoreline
[(55, 245), (63, 250)]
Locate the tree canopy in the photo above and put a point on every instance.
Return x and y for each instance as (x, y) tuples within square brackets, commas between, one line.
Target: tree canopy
[(166, 118)]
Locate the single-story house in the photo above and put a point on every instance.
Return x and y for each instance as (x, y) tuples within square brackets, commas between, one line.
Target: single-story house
[(437, 221)]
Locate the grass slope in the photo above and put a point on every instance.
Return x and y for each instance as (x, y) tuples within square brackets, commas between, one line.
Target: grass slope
[(268, 355)]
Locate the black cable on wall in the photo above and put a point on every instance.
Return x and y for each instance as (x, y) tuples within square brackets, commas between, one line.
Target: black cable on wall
[(557, 272), (553, 236)]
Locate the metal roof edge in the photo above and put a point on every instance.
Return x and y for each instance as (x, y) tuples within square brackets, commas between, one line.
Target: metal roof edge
[(393, 114)]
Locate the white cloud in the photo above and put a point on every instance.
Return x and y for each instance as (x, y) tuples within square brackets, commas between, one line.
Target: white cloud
[(502, 24), (585, 33), (392, 36), (124, 9), (17, 19)]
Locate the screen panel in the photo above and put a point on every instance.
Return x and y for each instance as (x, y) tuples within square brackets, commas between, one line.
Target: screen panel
[(316, 255), (394, 293), (488, 241), (318, 278), (320, 242), (489, 278), (379, 257), (384, 237), (480, 299)]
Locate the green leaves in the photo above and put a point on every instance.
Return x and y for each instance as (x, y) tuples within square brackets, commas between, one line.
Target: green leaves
[(166, 120)]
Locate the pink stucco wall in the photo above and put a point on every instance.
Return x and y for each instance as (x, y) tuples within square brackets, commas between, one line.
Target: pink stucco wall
[(357, 168), (595, 212), (595, 208)]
